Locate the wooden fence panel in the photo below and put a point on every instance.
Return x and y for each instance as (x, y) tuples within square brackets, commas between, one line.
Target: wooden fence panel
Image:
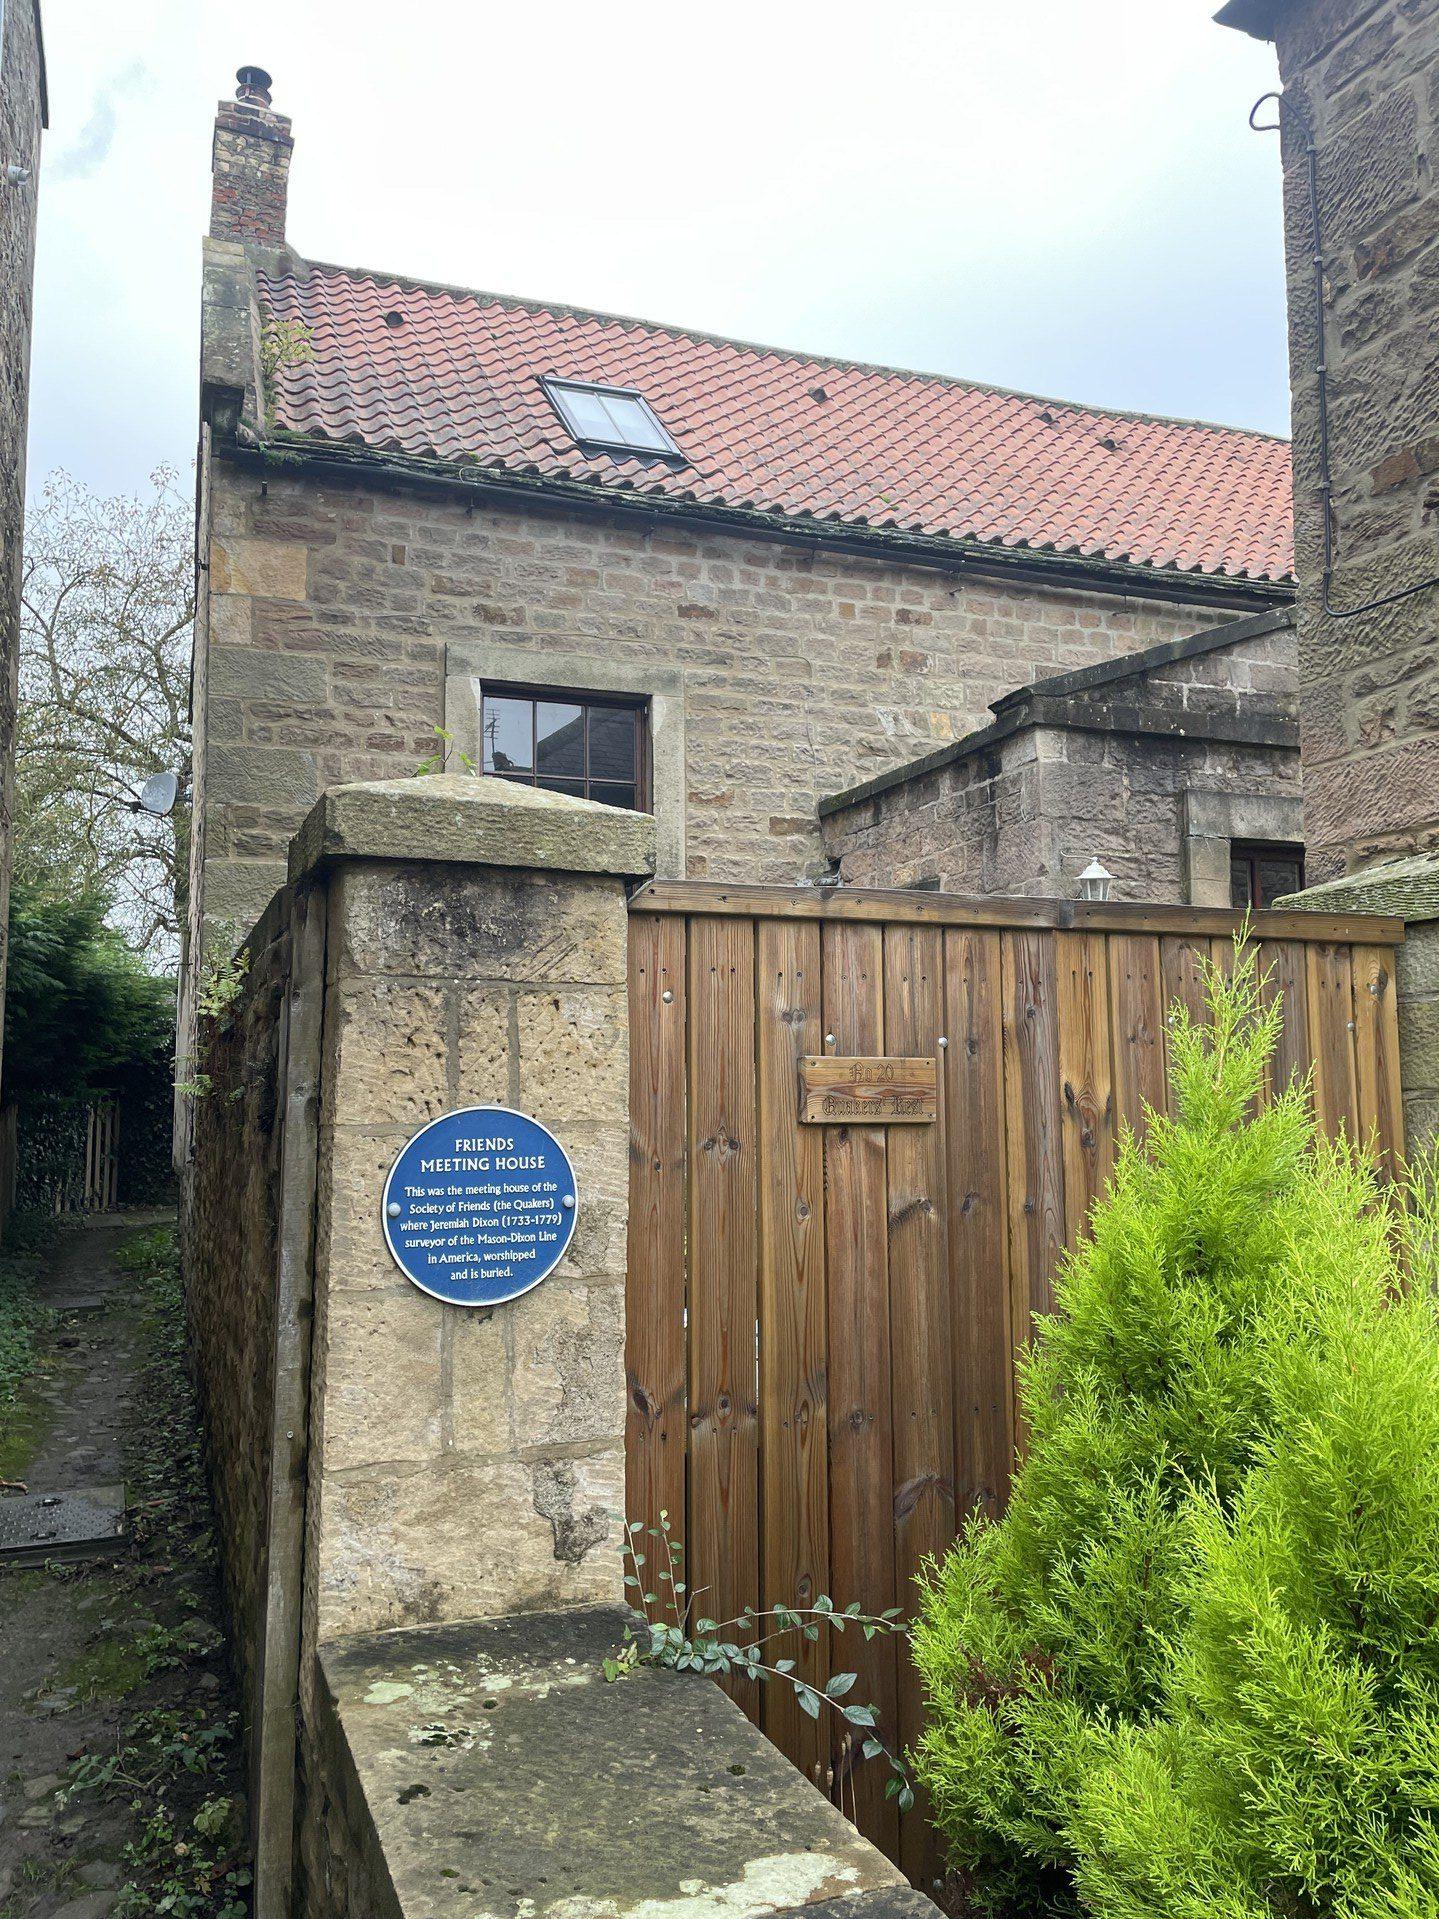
[(722, 1556), (981, 1328), (656, 1436), (1376, 1048), (1032, 1123), (793, 1321), (823, 1317), (1137, 1024), (921, 1358), (1284, 975), (1086, 1079), (1331, 1036), (861, 1430)]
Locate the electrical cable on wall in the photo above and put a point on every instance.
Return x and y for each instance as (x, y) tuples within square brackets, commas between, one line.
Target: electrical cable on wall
[(1326, 480)]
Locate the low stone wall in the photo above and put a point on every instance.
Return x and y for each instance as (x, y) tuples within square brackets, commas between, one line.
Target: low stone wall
[(229, 1229), (488, 1771)]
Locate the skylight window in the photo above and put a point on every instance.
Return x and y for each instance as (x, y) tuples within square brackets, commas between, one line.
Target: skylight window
[(612, 417)]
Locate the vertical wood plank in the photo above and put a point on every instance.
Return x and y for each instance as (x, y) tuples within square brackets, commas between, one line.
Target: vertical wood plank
[(860, 1425), (794, 1439), (1284, 976), (656, 1422), (1086, 1082), (1031, 1107), (978, 1223), (1137, 1022), (1182, 975), (1376, 1051), (921, 1389), (723, 1555), (1331, 1037), (1181, 965)]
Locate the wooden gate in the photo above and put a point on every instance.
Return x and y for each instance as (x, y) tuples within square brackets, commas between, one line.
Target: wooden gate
[(823, 1319)]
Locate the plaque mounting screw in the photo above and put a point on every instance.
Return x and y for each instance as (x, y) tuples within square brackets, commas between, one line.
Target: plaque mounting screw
[(829, 1039), (568, 1202), (668, 997), (943, 1042), (393, 1209)]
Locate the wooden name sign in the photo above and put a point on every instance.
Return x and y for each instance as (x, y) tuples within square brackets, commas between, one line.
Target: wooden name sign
[(867, 1091)]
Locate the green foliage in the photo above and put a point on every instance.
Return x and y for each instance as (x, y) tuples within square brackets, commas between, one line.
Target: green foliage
[(1195, 1669), (675, 1634), (84, 1018), (22, 1322), (81, 1012), (284, 343)]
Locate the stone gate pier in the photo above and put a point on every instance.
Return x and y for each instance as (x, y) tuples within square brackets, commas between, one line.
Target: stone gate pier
[(421, 1504)]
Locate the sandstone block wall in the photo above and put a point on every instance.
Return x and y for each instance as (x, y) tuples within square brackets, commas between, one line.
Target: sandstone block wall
[(335, 607), (467, 1462), (1363, 76), (230, 1221), (1153, 775), (21, 120)]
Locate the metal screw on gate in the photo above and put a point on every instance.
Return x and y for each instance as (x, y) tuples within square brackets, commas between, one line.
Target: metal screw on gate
[(568, 1201), (393, 1209), (668, 997), (829, 1039), (943, 1042)]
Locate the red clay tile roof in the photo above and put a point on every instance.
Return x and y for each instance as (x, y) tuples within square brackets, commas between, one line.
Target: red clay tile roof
[(455, 377)]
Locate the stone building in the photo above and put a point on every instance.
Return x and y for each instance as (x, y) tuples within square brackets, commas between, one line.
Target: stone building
[(1358, 124), (710, 579), (23, 117), (1177, 767), (1359, 120)]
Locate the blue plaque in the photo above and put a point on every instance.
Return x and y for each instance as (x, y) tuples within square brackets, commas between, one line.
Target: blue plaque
[(480, 1206)]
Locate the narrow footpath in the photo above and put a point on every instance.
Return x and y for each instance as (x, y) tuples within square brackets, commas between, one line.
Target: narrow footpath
[(118, 1750)]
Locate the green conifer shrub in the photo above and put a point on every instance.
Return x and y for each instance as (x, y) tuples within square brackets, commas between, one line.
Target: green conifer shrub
[(1194, 1670)]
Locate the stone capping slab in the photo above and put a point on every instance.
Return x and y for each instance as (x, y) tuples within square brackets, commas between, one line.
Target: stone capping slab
[(497, 1775), (1404, 889), (472, 821), (1044, 703)]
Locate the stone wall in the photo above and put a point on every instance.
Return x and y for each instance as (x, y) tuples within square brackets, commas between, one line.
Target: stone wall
[(230, 1235), (21, 120), (1153, 772), (467, 1462), (1363, 76), (380, 1459), (337, 610)]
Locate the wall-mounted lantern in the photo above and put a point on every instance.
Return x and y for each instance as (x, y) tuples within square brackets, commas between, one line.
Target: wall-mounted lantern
[(1095, 882)]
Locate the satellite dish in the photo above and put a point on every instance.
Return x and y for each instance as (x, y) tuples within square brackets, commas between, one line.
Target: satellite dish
[(158, 794)]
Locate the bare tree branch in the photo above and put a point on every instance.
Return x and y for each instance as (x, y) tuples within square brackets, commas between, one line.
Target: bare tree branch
[(107, 613)]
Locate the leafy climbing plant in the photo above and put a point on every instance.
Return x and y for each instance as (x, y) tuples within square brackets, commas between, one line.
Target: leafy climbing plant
[(284, 343), (444, 753), (675, 1634)]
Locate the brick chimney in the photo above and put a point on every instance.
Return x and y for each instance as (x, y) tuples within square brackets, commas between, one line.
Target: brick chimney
[(250, 165)]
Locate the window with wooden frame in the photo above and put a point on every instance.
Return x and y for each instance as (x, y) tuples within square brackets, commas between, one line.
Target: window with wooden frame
[(588, 744), (1262, 871)]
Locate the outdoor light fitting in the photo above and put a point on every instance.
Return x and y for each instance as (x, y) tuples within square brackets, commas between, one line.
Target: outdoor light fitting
[(1095, 882)]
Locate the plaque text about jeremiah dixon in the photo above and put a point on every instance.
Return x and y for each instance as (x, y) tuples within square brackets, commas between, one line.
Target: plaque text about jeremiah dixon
[(867, 1091)]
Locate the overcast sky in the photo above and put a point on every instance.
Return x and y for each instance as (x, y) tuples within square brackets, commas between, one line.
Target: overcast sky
[(1056, 195)]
